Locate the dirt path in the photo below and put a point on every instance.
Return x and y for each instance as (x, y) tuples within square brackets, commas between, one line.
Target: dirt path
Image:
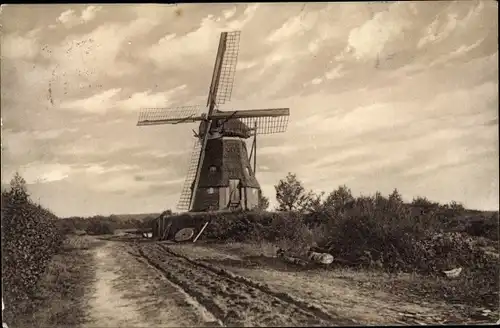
[(341, 293), (150, 284), (127, 292), (234, 300)]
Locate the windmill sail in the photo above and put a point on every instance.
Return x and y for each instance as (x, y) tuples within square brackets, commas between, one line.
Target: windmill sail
[(173, 115), (268, 121), (267, 124), (228, 68), (185, 198), (222, 79)]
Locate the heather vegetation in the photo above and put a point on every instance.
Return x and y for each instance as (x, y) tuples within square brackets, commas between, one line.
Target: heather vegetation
[(377, 231)]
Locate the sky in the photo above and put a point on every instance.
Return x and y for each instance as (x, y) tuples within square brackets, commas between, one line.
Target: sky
[(382, 96)]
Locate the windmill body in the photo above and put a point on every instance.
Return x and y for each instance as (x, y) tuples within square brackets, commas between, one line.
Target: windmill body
[(221, 172), (227, 179)]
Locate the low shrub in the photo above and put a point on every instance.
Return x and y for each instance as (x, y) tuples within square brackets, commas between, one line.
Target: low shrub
[(99, 228)]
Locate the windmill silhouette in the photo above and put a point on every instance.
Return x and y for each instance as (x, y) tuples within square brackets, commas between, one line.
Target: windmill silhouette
[(220, 175)]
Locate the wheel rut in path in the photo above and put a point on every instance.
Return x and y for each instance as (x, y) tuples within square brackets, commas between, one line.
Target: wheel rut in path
[(232, 299)]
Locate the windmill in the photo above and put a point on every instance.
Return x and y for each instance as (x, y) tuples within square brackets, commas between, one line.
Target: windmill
[(220, 174)]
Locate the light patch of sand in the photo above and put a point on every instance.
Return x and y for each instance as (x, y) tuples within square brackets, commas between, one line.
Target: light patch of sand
[(109, 307), (128, 292)]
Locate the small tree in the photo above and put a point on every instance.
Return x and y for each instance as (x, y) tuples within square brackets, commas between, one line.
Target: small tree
[(395, 201), (456, 207), (291, 195), (18, 188), (263, 202), (423, 202), (340, 199)]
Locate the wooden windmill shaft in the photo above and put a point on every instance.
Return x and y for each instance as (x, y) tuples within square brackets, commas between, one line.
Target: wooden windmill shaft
[(220, 169)]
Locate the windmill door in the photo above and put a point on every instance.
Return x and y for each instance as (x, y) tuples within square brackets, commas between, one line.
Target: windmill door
[(234, 191)]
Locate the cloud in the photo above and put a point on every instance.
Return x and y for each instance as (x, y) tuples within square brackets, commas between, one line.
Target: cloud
[(37, 172), (369, 39), (90, 13), (460, 51), (439, 30), (88, 57), (67, 17), (293, 27), (70, 18), (15, 46), (108, 100), (248, 15), (334, 73), (99, 169), (98, 103), (173, 50), (148, 99), (229, 13)]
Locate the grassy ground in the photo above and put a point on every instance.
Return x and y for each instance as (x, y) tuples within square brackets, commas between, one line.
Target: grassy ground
[(57, 299)]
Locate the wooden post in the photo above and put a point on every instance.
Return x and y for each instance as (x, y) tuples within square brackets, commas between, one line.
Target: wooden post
[(255, 149), (201, 231)]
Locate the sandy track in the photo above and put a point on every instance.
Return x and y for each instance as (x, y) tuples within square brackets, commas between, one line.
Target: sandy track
[(127, 292), (357, 295), (151, 284), (232, 299)]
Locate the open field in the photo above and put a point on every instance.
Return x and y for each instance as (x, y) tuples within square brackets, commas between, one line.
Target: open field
[(134, 282)]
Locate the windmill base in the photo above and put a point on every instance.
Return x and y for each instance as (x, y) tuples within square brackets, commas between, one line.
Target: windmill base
[(221, 199)]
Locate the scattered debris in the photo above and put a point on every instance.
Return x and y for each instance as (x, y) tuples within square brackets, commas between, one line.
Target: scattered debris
[(184, 234), (455, 273), (321, 258), (280, 253)]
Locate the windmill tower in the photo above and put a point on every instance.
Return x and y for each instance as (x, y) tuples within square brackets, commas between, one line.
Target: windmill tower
[(220, 174)]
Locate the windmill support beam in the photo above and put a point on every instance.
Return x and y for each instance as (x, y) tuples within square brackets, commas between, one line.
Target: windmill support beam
[(255, 149)]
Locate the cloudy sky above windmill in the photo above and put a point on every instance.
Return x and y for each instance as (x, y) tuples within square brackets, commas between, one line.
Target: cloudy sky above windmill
[(382, 96)]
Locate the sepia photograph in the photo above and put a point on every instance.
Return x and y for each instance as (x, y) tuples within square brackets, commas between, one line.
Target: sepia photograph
[(249, 164)]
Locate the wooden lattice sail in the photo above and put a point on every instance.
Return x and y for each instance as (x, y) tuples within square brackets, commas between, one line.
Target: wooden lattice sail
[(220, 174)]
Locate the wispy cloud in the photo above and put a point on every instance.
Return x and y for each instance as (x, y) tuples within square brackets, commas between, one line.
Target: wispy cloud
[(108, 100), (37, 172), (369, 39), (70, 18), (182, 50)]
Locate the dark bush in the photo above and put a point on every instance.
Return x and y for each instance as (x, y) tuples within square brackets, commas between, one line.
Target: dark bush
[(30, 237)]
